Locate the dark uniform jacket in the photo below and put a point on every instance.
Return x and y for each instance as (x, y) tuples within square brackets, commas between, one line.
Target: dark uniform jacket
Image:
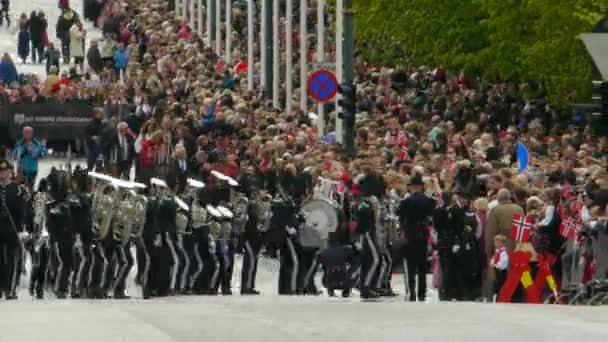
[(11, 206), (414, 212)]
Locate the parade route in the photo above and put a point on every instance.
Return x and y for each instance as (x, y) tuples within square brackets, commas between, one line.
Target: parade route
[(271, 318)]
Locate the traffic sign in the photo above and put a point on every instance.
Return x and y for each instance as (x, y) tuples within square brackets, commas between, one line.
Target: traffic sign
[(322, 85)]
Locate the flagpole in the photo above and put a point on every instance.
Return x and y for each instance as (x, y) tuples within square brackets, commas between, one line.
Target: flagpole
[(276, 56), (218, 28), (303, 56), (228, 31), (250, 29), (208, 22), (199, 12), (288, 57)]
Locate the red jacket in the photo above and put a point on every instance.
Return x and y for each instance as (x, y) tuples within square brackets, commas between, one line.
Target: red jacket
[(148, 154)]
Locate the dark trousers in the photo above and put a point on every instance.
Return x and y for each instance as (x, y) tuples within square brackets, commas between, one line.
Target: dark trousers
[(225, 258), (289, 267), (142, 247), (40, 260), (165, 266), (5, 15), (309, 259), (82, 262), (415, 257), (92, 156), (250, 264), (499, 280), (123, 261), (62, 246), (10, 255), (37, 49), (65, 47), (370, 260), (185, 251), (204, 262)]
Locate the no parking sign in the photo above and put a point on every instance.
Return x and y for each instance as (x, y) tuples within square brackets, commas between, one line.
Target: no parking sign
[(322, 85)]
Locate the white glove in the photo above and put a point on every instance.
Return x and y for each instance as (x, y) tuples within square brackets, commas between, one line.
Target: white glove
[(291, 231), (23, 235), (358, 246), (455, 248), (158, 241)]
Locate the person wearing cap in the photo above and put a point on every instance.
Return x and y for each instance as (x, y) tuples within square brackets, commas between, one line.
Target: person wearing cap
[(11, 231), (27, 152), (414, 214)]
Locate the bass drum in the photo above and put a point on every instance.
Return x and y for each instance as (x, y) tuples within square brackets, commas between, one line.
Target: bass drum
[(321, 218)]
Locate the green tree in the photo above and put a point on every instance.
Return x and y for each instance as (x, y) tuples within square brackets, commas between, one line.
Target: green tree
[(500, 39)]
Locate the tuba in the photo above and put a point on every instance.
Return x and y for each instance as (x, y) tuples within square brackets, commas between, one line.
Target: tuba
[(198, 213), (129, 211), (262, 205), (103, 204), (241, 212), (181, 219)]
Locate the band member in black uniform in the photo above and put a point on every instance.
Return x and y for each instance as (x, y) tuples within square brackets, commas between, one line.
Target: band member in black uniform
[(285, 222), (414, 214), (147, 247), (82, 221), (10, 230), (250, 239), (60, 230), (168, 267), (366, 228), (39, 247)]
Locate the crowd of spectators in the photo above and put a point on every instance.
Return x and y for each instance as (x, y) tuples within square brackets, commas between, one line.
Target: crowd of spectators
[(173, 108)]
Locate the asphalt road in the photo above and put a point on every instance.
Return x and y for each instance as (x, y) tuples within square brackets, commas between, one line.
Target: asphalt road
[(271, 318)]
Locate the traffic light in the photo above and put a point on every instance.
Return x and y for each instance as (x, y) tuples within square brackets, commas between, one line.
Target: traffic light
[(348, 102), (599, 117), (600, 96)]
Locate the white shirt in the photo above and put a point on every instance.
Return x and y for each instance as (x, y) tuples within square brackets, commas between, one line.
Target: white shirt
[(503, 260)]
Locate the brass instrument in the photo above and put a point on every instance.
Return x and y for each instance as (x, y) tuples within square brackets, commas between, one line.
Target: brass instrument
[(140, 209), (262, 204), (241, 212), (198, 214), (181, 219), (215, 224), (103, 204)]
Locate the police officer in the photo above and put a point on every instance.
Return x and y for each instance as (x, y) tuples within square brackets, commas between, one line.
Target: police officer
[(414, 213), (11, 205)]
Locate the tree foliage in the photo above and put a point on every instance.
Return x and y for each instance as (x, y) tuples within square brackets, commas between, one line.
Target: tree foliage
[(531, 40)]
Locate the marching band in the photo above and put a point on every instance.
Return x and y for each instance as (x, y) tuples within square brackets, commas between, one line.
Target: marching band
[(80, 229)]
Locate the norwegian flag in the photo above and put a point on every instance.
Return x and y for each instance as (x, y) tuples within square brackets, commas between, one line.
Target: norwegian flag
[(438, 201), (522, 226), (567, 191), (403, 154), (569, 227)]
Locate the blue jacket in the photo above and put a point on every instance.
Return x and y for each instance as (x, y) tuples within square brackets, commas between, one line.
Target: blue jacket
[(27, 159), (121, 59), (8, 73)]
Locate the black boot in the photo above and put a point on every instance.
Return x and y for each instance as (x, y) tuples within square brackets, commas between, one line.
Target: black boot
[(251, 292), (369, 294)]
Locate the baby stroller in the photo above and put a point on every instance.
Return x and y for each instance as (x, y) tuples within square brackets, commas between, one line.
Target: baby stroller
[(341, 269)]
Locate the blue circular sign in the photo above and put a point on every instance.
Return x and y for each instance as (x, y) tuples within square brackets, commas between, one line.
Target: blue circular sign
[(322, 85)]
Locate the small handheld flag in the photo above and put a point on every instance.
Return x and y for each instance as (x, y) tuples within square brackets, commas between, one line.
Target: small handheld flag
[(523, 157), (522, 226), (569, 227)]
